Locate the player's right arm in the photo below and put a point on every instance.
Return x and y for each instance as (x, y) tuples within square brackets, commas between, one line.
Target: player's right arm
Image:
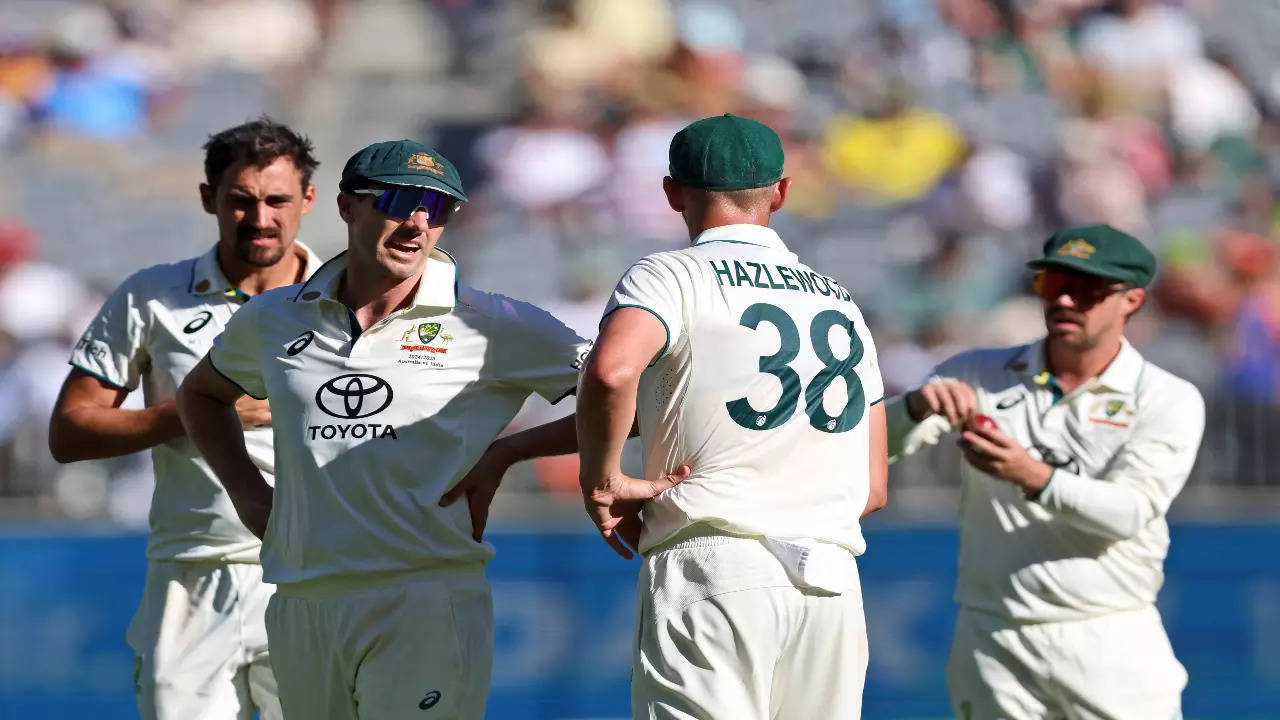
[(207, 404), (879, 459), (88, 421), (922, 416)]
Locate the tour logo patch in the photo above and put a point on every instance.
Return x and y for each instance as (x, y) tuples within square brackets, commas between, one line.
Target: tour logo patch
[(300, 343), (198, 322), (426, 337), (354, 396)]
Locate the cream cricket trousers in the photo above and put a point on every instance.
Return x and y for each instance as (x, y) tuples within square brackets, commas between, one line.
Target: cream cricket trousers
[(200, 645), (1118, 666), (724, 634), (412, 645)]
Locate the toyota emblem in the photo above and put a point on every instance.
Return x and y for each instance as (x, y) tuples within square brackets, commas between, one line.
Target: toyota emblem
[(353, 396)]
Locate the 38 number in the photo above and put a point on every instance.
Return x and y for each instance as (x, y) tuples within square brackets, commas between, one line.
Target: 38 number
[(778, 365)]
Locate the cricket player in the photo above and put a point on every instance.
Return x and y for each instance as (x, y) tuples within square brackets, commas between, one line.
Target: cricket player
[(1063, 503), (198, 635), (759, 374), (388, 380)]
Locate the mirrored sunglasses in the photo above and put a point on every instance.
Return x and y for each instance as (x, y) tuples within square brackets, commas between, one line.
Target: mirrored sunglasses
[(1086, 289), (402, 202)]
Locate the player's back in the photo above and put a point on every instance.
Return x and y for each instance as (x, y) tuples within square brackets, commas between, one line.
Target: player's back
[(764, 390)]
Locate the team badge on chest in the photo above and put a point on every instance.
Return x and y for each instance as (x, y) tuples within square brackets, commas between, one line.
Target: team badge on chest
[(424, 344)]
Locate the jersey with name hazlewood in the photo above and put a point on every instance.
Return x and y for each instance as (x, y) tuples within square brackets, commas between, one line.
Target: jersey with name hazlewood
[(1134, 427), (373, 426), (764, 389), (151, 332)]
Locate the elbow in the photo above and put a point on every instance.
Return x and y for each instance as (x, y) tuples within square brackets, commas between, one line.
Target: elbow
[(877, 500), (60, 446), (612, 377)]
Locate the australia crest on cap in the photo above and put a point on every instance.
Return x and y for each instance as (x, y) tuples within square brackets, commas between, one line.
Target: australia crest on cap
[(423, 161), (1079, 248)]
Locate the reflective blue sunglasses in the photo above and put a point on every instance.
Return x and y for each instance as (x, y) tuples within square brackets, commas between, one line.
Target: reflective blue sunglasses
[(401, 202)]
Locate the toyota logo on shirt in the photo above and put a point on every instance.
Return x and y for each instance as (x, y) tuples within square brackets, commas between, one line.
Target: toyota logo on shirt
[(354, 396)]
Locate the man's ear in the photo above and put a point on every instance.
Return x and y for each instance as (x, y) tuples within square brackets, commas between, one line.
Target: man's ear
[(675, 198), (344, 207), (308, 199), (206, 198), (1133, 301), (780, 195)]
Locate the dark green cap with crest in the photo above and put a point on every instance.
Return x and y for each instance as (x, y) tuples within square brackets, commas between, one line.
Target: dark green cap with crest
[(402, 162), (726, 153), (1099, 250)]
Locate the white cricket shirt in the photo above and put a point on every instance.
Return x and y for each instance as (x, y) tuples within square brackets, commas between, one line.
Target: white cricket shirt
[(153, 329), (372, 427), (1095, 540), (763, 389)]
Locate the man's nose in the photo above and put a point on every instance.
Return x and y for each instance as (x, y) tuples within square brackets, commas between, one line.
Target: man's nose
[(419, 220), (261, 215)]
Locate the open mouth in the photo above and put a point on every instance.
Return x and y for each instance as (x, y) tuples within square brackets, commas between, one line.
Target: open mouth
[(404, 246)]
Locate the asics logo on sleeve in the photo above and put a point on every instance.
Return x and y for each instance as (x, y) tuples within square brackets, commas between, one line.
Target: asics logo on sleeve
[(1009, 402), (430, 700), (198, 322), (301, 343)]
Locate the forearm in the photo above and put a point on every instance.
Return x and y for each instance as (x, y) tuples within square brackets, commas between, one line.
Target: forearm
[(558, 437), (217, 433), (606, 416), (88, 431), (1099, 507)]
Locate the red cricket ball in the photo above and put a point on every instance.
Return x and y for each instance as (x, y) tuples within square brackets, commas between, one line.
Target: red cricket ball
[(983, 422)]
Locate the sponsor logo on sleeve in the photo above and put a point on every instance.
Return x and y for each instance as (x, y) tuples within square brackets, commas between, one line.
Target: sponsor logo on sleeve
[(95, 349), (300, 343), (430, 700), (198, 322), (1012, 400)]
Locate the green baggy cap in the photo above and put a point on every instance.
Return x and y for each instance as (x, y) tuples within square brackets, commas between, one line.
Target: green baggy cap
[(402, 162), (1099, 250), (726, 153)]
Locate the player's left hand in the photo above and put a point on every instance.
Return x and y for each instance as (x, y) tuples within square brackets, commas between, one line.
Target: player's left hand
[(479, 486), (1001, 456), (614, 506)]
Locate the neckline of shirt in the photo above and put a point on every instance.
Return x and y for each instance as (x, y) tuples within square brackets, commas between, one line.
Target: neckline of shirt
[(1122, 375), (437, 287), (207, 277), (746, 234)]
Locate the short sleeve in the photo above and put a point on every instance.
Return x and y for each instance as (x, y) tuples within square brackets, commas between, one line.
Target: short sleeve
[(652, 285), (236, 352), (113, 347), (535, 351), (868, 369)]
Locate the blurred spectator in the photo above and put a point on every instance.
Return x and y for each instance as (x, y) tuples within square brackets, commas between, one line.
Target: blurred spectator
[(262, 36), (545, 161), (42, 308), (896, 154), (100, 88)]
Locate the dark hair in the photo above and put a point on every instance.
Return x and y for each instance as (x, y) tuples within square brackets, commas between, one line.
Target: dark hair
[(258, 142)]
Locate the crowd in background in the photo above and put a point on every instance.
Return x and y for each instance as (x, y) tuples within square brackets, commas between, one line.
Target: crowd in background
[(933, 145)]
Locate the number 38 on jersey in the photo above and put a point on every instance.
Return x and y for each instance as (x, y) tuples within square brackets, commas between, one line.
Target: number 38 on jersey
[(813, 388)]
